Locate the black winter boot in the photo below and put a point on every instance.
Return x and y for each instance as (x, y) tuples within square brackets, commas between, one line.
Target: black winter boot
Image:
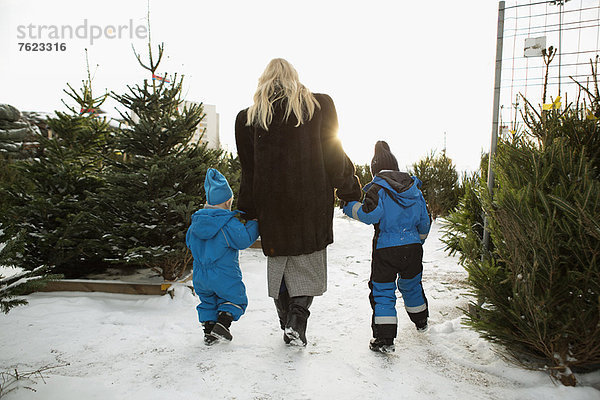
[(382, 345), (295, 327), (221, 328), (209, 339), (422, 325), (282, 304)]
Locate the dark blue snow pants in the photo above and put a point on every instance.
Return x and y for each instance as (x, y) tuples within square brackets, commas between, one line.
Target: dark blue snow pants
[(401, 267)]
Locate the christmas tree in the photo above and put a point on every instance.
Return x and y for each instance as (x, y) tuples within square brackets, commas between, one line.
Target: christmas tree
[(26, 282), (538, 287), (440, 183), (363, 172), (463, 226), (51, 218), (156, 186)]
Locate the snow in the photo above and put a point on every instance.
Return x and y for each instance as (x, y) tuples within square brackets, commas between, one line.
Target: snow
[(107, 346), (7, 272)]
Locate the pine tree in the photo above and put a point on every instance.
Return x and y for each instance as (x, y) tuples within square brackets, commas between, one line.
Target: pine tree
[(538, 288), (231, 168), (7, 178), (440, 183), (23, 283), (51, 219), (364, 173), (463, 226), (158, 184)]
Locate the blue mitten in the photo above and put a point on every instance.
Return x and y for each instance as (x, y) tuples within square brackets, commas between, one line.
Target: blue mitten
[(348, 208)]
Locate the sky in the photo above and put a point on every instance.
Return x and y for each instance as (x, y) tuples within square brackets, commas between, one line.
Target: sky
[(416, 74)]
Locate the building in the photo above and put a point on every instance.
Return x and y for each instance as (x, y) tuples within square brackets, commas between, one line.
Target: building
[(208, 128)]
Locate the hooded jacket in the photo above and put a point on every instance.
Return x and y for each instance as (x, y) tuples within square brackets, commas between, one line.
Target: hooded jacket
[(215, 236), (394, 202)]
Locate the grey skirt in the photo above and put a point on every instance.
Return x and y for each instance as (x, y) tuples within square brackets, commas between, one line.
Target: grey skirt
[(304, 275)]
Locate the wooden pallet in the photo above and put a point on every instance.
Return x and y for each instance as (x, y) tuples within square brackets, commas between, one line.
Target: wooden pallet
[(91, 285), (121, 287)]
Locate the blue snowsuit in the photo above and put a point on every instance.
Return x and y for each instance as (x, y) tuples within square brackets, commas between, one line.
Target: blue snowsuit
[(395, 205), (215, 238)]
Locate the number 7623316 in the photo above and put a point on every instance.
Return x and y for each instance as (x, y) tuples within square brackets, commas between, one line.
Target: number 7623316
[(47, 46)]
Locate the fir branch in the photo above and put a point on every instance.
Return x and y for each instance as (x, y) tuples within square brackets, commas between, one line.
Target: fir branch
[(9, 280)]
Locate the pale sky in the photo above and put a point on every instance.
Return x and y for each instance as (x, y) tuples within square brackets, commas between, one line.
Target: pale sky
[(404, 72)]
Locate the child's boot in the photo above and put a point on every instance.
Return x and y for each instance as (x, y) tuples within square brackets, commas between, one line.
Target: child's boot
[(422, 325), (221, 328), (209, 338), (382, 345)]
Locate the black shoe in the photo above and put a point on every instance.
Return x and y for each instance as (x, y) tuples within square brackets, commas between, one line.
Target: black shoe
[(295, 327), (382, 345), (221, 328), (422, 325)]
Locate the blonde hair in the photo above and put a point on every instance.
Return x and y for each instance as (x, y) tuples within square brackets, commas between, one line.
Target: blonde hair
[(280, 81)]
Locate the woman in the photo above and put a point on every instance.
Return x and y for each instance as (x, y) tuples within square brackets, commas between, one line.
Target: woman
[(292, 160)]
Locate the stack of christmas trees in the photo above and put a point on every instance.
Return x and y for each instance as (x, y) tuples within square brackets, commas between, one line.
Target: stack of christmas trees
[(102, 195), (538, 287)]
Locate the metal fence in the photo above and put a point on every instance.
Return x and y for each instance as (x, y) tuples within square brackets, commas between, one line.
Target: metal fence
[(526, 32), (571, 27)]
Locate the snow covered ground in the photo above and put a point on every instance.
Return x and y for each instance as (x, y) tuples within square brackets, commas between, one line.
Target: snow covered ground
[(108, 346)]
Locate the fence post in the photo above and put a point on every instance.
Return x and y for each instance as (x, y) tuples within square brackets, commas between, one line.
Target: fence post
[(495, 114)]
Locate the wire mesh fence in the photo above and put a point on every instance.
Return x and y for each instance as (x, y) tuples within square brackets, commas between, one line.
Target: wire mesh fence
[(571, 28)]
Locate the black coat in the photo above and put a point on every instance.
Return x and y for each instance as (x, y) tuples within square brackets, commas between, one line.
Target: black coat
[(288, 178)]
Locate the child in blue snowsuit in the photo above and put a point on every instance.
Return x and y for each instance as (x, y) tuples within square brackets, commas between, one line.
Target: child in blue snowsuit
[(395, 205), (215, 238)]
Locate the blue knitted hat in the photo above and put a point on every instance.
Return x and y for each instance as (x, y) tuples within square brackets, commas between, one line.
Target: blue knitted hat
[(217, 189)]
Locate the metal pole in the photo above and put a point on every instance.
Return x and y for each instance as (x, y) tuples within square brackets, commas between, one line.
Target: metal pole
[(560, 19), (561, 4), (496, 112)]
